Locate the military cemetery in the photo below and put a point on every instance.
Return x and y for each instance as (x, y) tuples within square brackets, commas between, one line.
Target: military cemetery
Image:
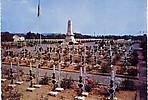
[(72, 66)]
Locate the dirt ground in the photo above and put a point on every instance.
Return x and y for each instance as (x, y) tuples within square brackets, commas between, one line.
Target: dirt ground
[(68, 94)]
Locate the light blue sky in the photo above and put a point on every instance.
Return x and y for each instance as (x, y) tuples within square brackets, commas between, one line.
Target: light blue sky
[(104, 17)]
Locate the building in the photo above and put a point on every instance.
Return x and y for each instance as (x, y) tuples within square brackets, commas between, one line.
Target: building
[(18, 38)]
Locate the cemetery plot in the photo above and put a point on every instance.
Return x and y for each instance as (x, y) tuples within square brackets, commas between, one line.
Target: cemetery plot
[(96, 58), (107, 59), (19, 91)]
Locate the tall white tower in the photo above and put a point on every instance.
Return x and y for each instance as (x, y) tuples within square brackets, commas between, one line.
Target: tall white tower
[(69, 34)]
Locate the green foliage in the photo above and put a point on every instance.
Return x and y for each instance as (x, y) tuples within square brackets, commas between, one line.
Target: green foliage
[(103, 91), (88, 87), (67, 58), (77, 61), (132, 72), (127, 85), (134, 61), (117, 57), (105, 68), (19, 46), (122, 70), (45, 79), (78, 67), (67, 83), (31, 44)]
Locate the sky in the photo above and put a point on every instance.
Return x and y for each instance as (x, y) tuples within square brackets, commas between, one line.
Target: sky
[(89, 17)]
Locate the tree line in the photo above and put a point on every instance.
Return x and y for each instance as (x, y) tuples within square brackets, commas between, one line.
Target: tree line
[(6, 36)]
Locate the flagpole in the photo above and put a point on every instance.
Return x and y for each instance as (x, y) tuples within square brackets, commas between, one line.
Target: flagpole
[(38, 15), (39, 29)]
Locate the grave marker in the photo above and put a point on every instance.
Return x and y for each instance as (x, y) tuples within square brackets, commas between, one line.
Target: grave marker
[(30, 88), (59, 78), (84, 93), (80, 97), (11, 73), (112, 88), (30, 73), (53, 92), (37, 77), (11, 76), (18, 73)]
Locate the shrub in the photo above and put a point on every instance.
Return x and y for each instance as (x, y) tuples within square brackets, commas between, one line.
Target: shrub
[(103, 91), (134, 61), (88, 87), (132, 72), (77, 61), (105, 68), (78, 67), (127, 85), (67, 83), (122, 70), (45, 79)]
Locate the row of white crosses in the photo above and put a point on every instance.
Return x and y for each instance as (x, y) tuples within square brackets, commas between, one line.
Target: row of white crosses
[(93, 54), (59, 75), (84, 65), (61, 55), (130, 49), (37, 74), (82, 82), (53, 78), (82, 77), (111, 54), (18, 73), (54, 89), (112, 88), (31, 87), (101, 50), (84, 56), (11, 75), (30, 75), (118, 48), (112, 85)]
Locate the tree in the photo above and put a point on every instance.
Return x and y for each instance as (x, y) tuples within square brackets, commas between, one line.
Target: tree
[(30, 35), (6, 37)]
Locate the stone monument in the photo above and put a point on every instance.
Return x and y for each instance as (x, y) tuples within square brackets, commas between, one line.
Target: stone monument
[(69, 35)]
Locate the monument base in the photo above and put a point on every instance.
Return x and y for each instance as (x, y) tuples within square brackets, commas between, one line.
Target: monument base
[(59, 89), (37, 86), (85, 93), (79, 98), (115, 98), (3, 80), (19, 82), (30, 89), (53, 93), (12, 85)]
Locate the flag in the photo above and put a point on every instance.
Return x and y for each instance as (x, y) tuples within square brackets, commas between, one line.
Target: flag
[(38, 9)]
